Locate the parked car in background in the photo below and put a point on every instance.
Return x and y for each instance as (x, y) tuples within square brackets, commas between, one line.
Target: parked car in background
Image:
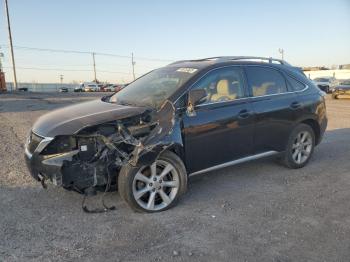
[(92, 88), (63, 90), (343, 88), (187, 118), (79, 89), (117, 88), (325, 83), (108, 88), (23, 89)]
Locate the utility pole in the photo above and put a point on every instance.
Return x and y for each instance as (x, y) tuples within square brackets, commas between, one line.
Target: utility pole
[(2, 75), (1, 56), (133, 63), (281, 51), (11, 46), (93, 58), (61, 79)]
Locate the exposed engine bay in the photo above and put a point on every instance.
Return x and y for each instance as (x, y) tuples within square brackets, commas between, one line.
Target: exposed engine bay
[(92, 158)]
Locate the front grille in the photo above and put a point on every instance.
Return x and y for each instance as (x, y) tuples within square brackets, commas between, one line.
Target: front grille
[(33, 142)]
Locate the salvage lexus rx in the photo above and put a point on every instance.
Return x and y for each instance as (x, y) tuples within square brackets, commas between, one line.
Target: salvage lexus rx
[(187, 118)]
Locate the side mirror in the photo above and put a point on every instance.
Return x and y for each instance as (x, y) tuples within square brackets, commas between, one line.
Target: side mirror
[(194, 98)]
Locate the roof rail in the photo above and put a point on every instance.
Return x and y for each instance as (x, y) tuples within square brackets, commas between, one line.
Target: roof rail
[(230, 58), (180, 61), (235, 58)]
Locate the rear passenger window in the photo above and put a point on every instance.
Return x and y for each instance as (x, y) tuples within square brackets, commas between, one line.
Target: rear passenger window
[(295, 84), (265, 81)]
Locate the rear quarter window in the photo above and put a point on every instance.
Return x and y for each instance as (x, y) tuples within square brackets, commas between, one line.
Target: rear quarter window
[(265, 81), (294, 84)]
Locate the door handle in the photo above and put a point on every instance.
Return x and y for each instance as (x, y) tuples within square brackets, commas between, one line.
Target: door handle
[(295, 105), (243, 114)]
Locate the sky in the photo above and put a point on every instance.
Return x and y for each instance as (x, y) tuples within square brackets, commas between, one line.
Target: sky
[(159, 31)]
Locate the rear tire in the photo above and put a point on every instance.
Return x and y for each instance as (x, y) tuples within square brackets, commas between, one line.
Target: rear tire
[(153, 188), (300, 147)]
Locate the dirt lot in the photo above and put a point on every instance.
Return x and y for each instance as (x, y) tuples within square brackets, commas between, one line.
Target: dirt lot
[(257, 211)]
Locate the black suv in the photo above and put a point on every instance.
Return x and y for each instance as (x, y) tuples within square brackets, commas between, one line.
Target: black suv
[(187, 118)]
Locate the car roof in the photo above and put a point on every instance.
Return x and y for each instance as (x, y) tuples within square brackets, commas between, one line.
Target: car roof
[(228, 59), (213, 62)]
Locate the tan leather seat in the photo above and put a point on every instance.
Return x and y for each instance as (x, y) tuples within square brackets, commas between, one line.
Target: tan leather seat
[(263, 89), (223, 92)]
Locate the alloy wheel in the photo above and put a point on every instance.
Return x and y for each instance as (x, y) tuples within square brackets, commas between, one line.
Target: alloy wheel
[(156, 186), (302, 147)]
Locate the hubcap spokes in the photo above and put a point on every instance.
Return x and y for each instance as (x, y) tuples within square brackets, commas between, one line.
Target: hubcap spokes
[(302, 147), (156, 186)]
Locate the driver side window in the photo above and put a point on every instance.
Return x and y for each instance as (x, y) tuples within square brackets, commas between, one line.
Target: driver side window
[(224, 84)]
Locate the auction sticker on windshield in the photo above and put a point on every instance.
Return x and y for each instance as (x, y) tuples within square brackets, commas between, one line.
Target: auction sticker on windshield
[(187, 70)]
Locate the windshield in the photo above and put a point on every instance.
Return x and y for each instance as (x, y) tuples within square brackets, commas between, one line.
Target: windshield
[(153, 88)]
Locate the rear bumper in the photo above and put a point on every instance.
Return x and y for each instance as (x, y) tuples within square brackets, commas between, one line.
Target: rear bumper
[(322, 119), (323, 127)]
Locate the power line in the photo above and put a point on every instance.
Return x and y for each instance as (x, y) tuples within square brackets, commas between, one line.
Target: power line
[(74, 65), (88, 52), (114, 72), (66, 70), (56, 65), (50, 69), (83, 68), (51, 50), (123, 66)]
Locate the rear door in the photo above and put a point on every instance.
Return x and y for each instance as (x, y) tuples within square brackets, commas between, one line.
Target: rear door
[(275, 108), (222, 129)]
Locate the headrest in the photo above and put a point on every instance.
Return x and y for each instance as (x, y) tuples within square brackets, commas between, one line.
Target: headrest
[(223, 87)]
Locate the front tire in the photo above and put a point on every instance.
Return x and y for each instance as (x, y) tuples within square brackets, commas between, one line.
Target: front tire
[(153, 188), (300, 146)]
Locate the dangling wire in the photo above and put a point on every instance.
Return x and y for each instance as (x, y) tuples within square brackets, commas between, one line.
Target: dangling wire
[(105, 207)]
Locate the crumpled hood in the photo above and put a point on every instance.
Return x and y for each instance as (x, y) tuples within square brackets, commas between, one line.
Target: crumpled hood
[(71, 119)]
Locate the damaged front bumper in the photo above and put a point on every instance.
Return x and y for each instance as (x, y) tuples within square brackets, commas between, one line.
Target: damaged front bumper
[(94, 156), (43, 167), (64, 169)]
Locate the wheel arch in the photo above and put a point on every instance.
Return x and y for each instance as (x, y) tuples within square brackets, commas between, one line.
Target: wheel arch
[(177, 144), (315, 127), (179, 151)]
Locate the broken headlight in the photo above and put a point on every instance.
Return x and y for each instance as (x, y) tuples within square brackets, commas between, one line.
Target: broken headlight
[(61, 144)]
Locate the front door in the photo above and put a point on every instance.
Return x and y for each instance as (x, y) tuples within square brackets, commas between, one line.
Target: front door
[(222, 128)]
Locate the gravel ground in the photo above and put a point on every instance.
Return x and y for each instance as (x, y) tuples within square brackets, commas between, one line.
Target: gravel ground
[(258, 211)]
